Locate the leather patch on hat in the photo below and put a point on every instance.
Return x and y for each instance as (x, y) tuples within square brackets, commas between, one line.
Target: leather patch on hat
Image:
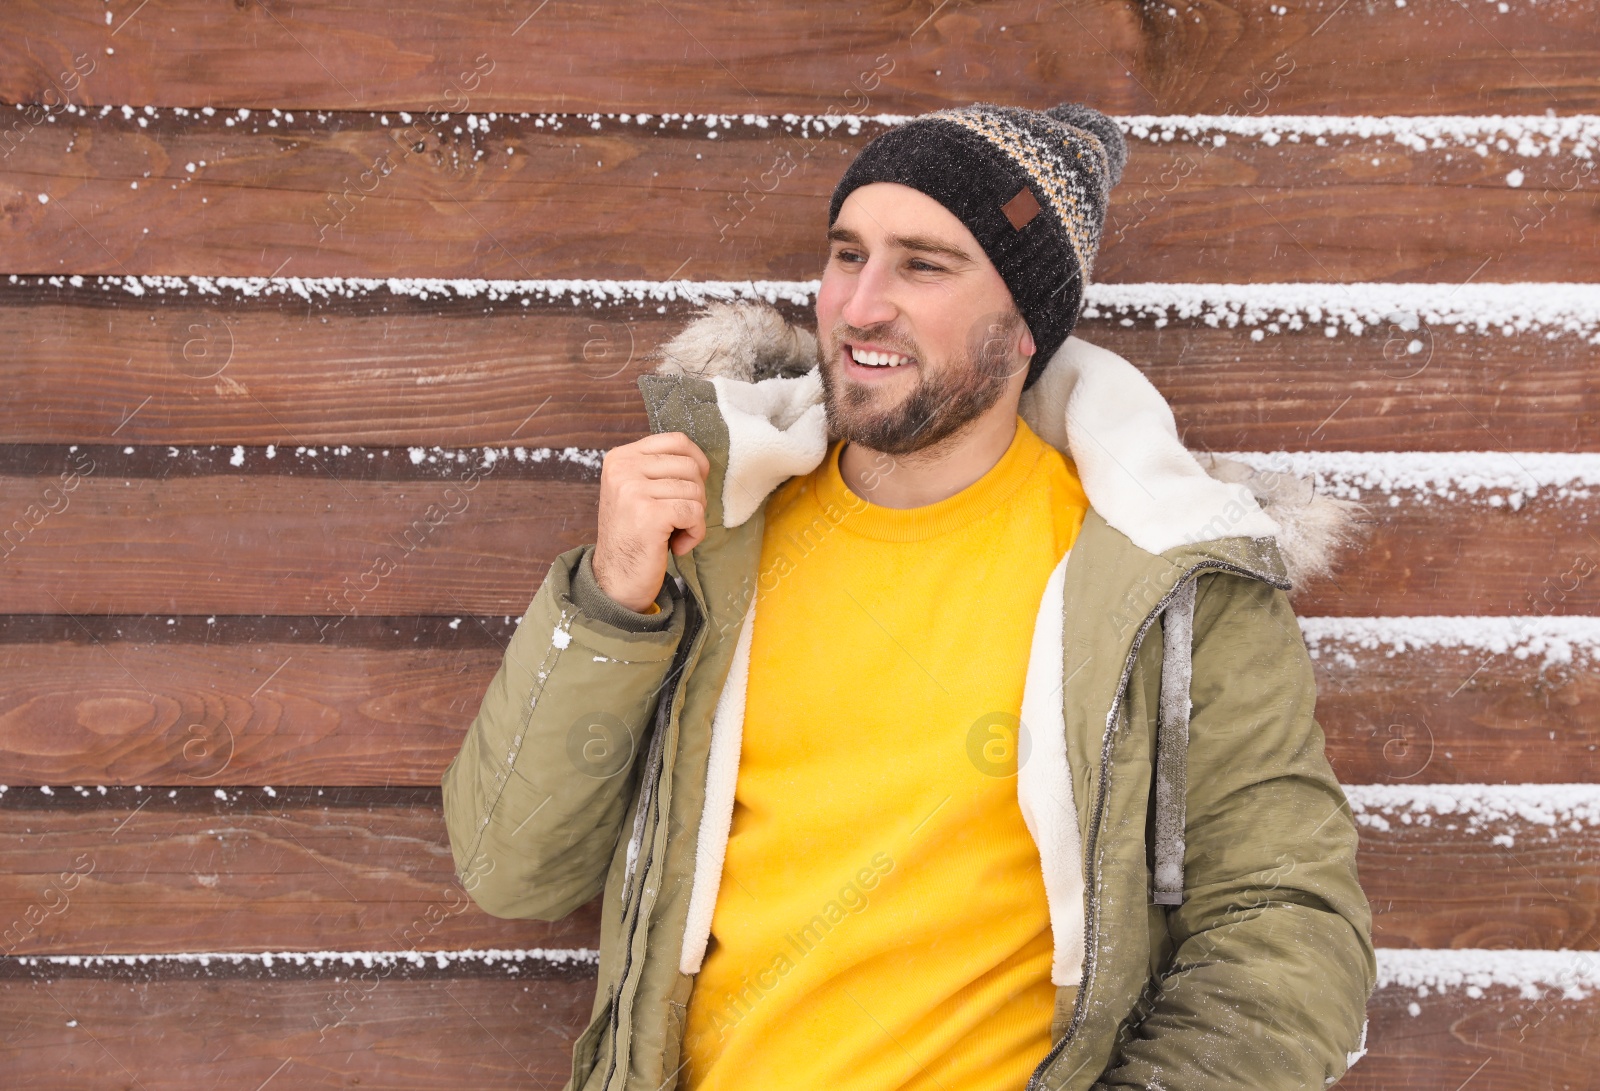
[(1021, 209)]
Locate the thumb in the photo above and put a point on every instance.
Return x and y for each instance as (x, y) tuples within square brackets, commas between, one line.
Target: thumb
[(684, 540)]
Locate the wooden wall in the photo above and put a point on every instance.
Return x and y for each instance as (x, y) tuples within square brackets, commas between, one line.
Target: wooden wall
[(221, 736)]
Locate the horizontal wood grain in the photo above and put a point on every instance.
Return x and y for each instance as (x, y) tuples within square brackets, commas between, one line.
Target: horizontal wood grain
[(575, 197), (333, 544), (1444, 716), (1430, 56), (280, 714), (429, 1035), (1540, 890), (300, 872), (1500, 1042), (444, 1033), (264, 871), (390, 370), (335, 704), (330, 545)]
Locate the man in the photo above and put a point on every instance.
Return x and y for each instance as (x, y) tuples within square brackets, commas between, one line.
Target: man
[(928, 715)]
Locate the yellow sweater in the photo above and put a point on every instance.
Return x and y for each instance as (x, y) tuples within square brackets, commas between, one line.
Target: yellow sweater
[(881, 921)]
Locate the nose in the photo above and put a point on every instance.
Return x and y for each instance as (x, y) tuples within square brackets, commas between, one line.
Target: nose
[(870, 302)]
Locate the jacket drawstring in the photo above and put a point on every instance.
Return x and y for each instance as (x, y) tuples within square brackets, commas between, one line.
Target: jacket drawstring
[(1172, 743)]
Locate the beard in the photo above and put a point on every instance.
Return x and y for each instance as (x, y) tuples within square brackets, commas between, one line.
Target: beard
[(939, 407)]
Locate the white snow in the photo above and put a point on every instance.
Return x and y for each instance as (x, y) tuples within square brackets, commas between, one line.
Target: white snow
[(573, 292), (442, 959), (1569, 975), (588, 457), (1550, 309), (1495, 478), (1528, 135), (1533, 974), (1499, 811), (1553, 639)]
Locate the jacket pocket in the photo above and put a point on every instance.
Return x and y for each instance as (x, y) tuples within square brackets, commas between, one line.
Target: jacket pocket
[(586, 1051)]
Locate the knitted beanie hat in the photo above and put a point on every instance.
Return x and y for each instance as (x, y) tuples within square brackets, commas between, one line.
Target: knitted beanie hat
[(1030, 185)]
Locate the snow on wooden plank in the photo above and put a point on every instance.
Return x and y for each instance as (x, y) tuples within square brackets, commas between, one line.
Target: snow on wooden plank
[(229, 701), (1424, 56), (164, 870), (1439, 1020), (1464, 532), (156, 192), (160, 870), (364, 1029), (427, 363)]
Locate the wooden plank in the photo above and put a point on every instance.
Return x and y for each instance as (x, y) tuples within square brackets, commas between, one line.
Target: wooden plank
[(1430, 56), (161, 870), (1437, 716), (144, 871), (329, 546), (127, 701), (387, 369), (347, 195), (1507, 884), (442, 1033), (1501, 1042), (280, 714), (387, 372), (333, 544)]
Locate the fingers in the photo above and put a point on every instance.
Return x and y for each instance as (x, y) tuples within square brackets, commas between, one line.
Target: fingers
[(670, 488), (672, 466), (652, 499), (664, 452)]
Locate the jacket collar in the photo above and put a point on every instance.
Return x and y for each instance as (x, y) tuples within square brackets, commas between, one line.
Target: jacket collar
[(760, 419)]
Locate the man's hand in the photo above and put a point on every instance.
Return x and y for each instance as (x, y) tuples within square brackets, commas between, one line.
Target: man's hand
[(652, 496)]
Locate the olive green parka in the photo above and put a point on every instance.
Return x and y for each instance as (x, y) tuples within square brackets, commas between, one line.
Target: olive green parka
[(1198, 853)]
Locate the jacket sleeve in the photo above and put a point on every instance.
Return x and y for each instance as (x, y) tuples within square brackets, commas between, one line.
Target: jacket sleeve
[(1272, 960), (535, 800)]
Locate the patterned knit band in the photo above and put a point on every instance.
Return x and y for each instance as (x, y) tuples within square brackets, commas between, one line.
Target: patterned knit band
[(1030, 185)]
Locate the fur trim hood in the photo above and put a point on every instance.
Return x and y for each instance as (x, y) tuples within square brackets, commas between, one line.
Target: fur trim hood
[(1089, 403)]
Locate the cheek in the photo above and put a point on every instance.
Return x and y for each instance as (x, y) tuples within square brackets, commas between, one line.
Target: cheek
[(831, 297), (940, 326)]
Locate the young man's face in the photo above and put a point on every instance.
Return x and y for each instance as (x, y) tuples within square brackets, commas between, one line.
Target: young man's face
[(918, 333)]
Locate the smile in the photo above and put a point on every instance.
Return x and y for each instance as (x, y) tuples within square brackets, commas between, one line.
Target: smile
[(877, 358)]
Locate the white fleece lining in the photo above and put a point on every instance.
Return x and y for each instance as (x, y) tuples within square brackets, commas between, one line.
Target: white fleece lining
[(1124, 440), (777, 428), (716, 818), (1044, 782)]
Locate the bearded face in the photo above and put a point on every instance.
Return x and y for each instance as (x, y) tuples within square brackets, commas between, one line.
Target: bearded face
[(932, 400)]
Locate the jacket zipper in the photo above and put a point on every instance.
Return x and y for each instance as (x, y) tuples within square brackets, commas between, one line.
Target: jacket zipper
[(634, 910), (1091, 926)]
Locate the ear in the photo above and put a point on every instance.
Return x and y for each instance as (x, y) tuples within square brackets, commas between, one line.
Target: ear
[(1027, 348)]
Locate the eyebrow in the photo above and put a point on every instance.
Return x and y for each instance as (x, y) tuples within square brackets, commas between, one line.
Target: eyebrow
[(921, 243)]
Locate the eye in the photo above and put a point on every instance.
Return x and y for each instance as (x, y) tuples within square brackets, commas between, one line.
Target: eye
[(925, 266), (847, 256)]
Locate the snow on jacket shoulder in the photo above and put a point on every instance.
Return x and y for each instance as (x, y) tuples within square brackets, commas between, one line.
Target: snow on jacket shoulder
[(1198, 853)]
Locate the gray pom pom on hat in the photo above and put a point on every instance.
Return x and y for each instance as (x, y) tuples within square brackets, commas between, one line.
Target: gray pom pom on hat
[(1093, 121)]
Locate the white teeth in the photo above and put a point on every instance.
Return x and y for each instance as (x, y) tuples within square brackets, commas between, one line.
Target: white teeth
[(878, 359)]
